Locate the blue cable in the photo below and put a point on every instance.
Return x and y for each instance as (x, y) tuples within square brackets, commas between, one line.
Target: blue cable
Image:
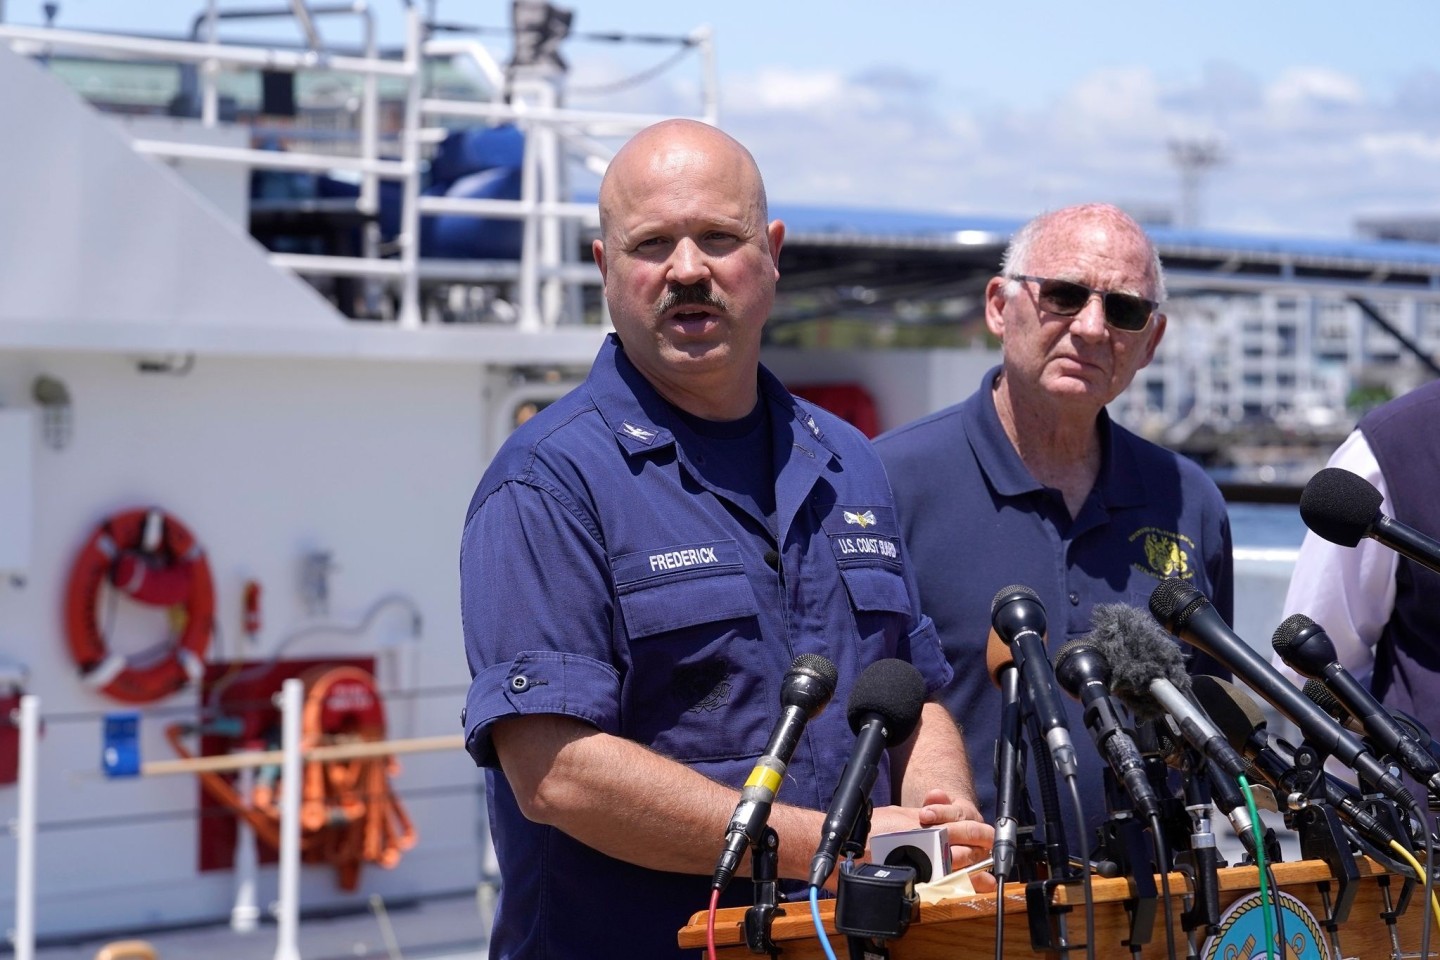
[(819, 927)]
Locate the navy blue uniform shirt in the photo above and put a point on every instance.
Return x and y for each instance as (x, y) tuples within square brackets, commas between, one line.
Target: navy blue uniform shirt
[(975, 521), (604, 578)]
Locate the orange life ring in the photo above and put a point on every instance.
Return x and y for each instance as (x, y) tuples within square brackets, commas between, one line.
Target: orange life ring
[(151, 557)]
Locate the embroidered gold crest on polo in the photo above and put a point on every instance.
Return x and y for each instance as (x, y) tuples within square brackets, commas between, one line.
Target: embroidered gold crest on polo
[(1166, 553)]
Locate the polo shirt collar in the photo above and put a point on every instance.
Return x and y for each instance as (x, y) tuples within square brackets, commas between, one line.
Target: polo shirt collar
[(993, 450), (1121, 478), (1120, 482)]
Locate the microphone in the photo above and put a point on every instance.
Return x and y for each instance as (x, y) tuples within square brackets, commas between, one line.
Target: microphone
[(1186, 612), (1307, 648), (1321, 696), (1274, 759), (1019, 621), (1150, 678), (1342, 507), (1007, 756), (807, 687), (1084, 673), (883, 711)]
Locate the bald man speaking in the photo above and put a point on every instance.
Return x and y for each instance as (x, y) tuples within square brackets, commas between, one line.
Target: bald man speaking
[(643, 562)]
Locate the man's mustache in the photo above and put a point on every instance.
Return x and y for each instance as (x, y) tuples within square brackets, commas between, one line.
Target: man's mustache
[(693, 295)]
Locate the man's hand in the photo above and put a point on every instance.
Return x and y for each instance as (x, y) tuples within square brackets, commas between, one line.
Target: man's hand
[(970, 837)]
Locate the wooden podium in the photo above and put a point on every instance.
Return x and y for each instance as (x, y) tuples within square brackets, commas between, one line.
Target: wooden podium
[(965, 926)]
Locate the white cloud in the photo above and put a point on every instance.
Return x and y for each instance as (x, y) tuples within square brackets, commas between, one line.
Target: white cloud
[(1302, 87), (1402, 145), (781, 89), (1116, 97), (1305, 152)]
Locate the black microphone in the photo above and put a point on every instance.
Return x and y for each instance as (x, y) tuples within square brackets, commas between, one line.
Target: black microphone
[(883, 711), (1321, 696), (1274, 759), (1003, 671), (1084, 673), (1019, 620), (807, 687), (1342, 507), (1185, 612), (1150, 678), (1308, 649)]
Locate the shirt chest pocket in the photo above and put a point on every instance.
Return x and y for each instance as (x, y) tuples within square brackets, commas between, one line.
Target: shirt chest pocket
[(683, 586), (876, 589), (866, 547), (690, 620)]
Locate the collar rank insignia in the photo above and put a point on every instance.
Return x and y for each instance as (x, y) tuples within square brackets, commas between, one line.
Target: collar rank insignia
[(861, 520), (639, 433)]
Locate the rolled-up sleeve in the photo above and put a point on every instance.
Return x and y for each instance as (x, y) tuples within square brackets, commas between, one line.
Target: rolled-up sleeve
[(923, 650), (536, 607)]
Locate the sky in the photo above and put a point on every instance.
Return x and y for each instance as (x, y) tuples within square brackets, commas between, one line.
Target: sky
[(1321, 111)]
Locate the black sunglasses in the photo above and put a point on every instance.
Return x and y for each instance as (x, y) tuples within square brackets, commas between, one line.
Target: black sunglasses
[(1123, 311)]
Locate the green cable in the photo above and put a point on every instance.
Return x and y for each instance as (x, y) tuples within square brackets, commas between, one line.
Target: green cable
[(1260, 863)]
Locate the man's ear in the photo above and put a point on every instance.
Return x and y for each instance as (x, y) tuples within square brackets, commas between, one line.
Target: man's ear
[(995, 306), (775, 236), (597, 250)]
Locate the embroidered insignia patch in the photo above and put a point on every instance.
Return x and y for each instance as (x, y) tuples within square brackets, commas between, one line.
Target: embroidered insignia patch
[(861, 520), (704, 687), (1167, 553), (639, 433)]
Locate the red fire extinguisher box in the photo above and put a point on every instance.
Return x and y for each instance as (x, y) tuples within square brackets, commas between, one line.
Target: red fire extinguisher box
[(9, 735)]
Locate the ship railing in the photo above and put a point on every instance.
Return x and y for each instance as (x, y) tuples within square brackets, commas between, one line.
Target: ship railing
[(291, 758), (546, 273)]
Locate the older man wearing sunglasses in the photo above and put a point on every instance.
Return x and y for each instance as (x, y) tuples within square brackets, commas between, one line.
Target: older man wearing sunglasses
[(1029, 481)]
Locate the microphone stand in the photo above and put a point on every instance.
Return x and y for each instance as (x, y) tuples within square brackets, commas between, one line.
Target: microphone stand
[(1046, 919), (1322, 836), (1009, 764), (1009, 769), (765, 870), (1122, 841), (1202, 861)]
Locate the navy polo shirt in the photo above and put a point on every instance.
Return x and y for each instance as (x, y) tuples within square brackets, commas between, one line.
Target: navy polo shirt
[(975, 521), (604, 577)]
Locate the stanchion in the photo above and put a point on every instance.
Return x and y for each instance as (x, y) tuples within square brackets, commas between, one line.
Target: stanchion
[(25, 828), (292, 700)]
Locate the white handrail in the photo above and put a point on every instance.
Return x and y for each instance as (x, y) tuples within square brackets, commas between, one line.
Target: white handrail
[(618, 123), (452, 46), (185, 51), (319, 265), (549, 233), (245, 912), (25, 827), (409, 318), (271, 159), (704, 37), (510, 209), (287, 910)]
